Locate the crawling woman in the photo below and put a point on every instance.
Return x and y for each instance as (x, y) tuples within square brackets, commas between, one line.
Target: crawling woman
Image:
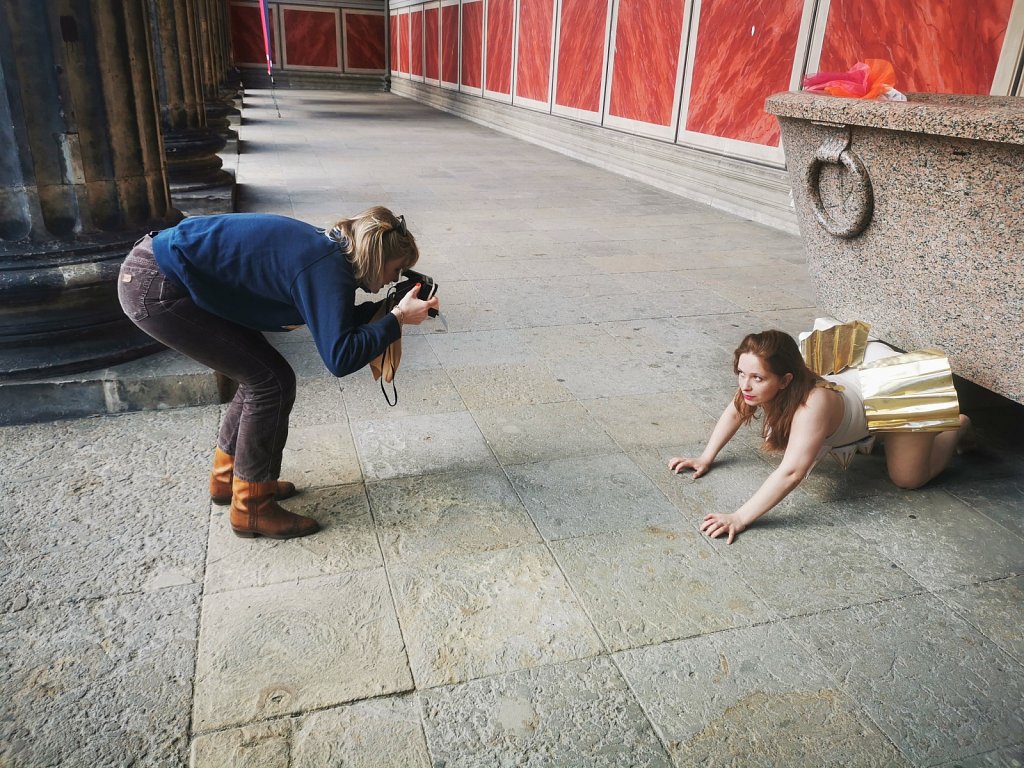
[(807, 416)]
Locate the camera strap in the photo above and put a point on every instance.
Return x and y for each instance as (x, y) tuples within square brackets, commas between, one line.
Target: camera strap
[(390, 300), (394, 389)]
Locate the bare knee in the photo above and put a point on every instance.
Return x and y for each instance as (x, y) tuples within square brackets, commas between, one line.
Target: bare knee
[(908, 457), (909, 481)]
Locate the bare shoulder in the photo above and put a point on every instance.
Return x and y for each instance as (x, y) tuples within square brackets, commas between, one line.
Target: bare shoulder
[(821, 406)]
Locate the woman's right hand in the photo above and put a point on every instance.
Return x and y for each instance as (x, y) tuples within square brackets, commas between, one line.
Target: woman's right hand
[(412, 310), (699, 465)]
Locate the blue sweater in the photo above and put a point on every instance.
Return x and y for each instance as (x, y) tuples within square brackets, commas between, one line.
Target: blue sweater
[(267, 272)]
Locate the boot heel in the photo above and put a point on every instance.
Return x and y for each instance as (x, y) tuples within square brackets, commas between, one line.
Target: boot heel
[(244, 534)]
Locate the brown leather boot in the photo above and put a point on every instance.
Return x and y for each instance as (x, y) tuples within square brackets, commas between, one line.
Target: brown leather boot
[(255, 513), (221, 476)]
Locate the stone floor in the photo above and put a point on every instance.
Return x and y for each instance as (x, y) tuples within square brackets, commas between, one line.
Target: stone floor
[(508, 574)]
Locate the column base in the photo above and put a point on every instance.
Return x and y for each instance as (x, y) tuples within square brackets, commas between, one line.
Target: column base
[(59, 311), (205, 199)]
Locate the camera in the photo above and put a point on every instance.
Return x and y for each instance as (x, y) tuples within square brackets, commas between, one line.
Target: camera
[(410, 277)]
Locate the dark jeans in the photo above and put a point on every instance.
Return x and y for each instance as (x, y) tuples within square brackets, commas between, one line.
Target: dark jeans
[(255, 427)]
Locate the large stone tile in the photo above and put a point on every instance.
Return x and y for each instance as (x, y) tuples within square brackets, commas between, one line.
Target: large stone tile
[(490, 347), (1011, 756), (792, 321), (865, 477), (346, 542), (506, 269), (760, 294), (319, 456), (434, 517), (531, 311), (635, 421), (524, 433), (661, 338), (803, 560), (261, 745), (471, 317), (417, 352), (627, 263), (304, 359), (289, 648), (647, 586), (609, 376), (937, 687), (751, 697), (96, 507), (367, 734), (418, 445), (996, 608), (937, 539), (584, 496), (666, 304), (318, 401), (99, 682), (488, 386), (488, 613), (1000, 499), (735, 476), (570, 342), (697, 368), (726, 330), (713, 397), (419, 392), (580, 713)]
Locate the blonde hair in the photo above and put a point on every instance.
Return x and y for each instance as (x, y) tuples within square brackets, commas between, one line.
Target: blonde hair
[(374, 237)]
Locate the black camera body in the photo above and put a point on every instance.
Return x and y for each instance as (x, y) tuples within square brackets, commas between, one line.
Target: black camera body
[(410, 278)]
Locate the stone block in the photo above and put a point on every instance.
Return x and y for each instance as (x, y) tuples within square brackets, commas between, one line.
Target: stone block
[(431, 518), (576, 713), (910, 216), (648, 586), (587, 495), (937, 687), (751, 697), (488, 613), (526, 433), (346, 542), (90, 685), (288, 648)]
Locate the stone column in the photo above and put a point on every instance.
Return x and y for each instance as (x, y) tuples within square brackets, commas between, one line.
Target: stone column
[(81, 179), (197, 181), (217, 105)]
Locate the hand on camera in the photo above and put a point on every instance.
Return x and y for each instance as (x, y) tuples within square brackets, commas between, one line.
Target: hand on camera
[(413, 311)]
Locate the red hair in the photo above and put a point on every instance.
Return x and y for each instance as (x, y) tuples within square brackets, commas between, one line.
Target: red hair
[(781, 354)]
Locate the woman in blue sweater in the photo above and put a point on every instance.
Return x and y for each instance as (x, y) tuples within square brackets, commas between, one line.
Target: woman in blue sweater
[(210, 286)]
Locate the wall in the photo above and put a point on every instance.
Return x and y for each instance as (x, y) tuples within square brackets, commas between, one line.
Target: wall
[(329, 38), (667, 91), (691, 74)]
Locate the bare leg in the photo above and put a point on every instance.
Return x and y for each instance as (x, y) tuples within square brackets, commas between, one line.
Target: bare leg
[(914, 458)]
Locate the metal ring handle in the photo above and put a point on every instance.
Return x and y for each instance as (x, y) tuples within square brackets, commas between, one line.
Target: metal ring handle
[(865, 205)]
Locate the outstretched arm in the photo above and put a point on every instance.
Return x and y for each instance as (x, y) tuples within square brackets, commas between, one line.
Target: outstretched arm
[(723, 432), (807, 436)]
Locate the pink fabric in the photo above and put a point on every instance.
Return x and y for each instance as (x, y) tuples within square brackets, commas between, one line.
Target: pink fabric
[(866, 80)]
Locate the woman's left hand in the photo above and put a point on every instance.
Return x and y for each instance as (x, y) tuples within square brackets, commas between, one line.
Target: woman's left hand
[(412, 310), (715, 525)]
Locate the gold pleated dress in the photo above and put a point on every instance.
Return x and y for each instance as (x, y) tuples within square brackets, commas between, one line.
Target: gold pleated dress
[(901, 392)]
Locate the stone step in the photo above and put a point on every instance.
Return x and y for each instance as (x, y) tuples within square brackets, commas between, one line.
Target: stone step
[(163, 380)]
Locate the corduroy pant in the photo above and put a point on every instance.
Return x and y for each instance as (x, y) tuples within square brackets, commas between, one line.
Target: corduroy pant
[(255, 428)]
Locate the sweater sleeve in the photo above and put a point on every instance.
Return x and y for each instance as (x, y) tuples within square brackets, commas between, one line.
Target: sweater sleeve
[(364, 312), (324, 293)]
